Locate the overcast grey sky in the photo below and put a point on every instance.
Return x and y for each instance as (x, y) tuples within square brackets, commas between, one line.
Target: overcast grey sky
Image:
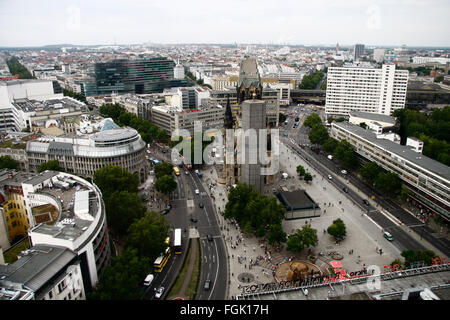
[(375, 22)]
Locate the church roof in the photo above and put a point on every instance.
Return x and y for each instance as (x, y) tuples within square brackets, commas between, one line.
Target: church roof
[(249, 74)]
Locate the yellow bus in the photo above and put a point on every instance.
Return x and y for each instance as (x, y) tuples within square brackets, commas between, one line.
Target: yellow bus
[(161, 261), (176, 171)]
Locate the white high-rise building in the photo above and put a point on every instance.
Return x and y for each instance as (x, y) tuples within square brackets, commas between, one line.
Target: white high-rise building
[(365, 89), (378, 55), (178, 71)]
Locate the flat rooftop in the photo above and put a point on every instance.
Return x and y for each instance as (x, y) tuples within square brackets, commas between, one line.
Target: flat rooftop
[(404, 152), (296, 200)]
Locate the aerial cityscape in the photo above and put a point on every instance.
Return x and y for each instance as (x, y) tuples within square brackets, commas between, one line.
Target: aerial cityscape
[(235, 152)]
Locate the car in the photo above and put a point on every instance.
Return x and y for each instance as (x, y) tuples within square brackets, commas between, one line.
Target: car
[(194, 220), (330, 177), (148, 280), (345, 189), (167, 210), (197, 191), (388, 236), (285, 134), (209, 237), (366, 202), (330, 157), (159, 292), (201, 205), (344, 171), (187, 172), (207, 284)]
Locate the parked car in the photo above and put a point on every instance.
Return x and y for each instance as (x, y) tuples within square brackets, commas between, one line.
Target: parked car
[(344, 171), (167, 210), (201, 205), (197, 191), (366, 202), (194, 220), (330, 177), (345, 189)]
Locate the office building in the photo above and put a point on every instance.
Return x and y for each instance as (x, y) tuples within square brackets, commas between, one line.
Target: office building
[(374, 90), (140, 76), (427, 180), (17, 90), (170, 118), (358, 51), (84, 154), (178, 71)]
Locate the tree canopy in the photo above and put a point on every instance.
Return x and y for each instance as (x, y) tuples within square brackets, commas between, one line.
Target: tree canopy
[(6, 162), (412, 256), (50, 165), (115, 178), (147, 235), (166, 184), (163, 169), (432, 129), (122, 280), (302, 238), (310, 82), (252, 210), (337, 229)]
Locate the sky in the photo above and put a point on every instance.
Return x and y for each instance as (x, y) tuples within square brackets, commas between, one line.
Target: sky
[(291, 22)]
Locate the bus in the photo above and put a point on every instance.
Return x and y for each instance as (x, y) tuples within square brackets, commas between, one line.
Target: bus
[(176, 171), (161, 261), (177, 241)]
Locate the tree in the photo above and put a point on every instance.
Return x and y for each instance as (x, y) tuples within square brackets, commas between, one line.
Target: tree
[(302, 238), (166, 184), (312, 120), (318, 134), (300, 170), (307, 177), (370, 171), (276, 234), (50, 165), (163, 169), (147, 235), (337, 229), (6, 162), (122, 209), (389, 182), (425, 256), (330, 145), (345, 152), (123, 278), (115, 178)]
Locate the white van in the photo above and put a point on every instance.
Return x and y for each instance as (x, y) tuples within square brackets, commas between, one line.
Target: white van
[(148, 280)]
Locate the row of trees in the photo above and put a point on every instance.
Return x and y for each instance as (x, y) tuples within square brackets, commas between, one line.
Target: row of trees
[(341, 150), (148, 131), (6, 162), (143, 234), (433, 130), (310, 82), (15, 67), (388, 182)]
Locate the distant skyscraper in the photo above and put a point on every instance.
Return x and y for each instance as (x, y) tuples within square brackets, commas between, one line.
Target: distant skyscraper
[(139, 76), (358, 51), (337, 47)]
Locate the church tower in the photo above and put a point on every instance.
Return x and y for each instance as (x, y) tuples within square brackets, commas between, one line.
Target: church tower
[(249, 84)]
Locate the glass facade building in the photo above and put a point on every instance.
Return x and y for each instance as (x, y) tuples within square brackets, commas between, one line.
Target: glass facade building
[(140, 76)]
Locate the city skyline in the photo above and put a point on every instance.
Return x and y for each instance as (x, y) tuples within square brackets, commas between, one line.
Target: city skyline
[(374, 23)]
